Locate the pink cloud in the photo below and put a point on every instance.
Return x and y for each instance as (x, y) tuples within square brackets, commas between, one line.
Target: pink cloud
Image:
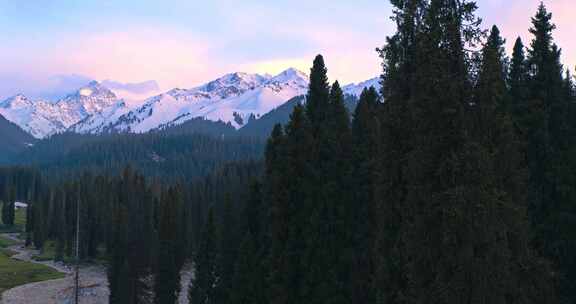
[(169, 58)]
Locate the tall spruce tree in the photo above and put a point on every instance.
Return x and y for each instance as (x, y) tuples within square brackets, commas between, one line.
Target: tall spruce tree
[(117, 263), (228, 250), (5, 213), (318, 96), (450, 174), (8, 212), (438, 237), (397, 128), (130, 257), (331, 222), (204, 282), (29, 224), (366, 149), (247, 279), (518, 78), (290, 195), (167, 277), (550, 145), (543, 84), (509, 231), (60, 228)]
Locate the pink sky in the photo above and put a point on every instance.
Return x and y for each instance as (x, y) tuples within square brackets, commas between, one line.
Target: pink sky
[(184, 43), (513, 19)]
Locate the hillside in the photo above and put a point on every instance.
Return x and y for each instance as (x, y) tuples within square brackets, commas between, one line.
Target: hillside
[(13, 140)]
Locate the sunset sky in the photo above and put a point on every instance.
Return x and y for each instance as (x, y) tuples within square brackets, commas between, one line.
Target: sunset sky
[(182, 43)]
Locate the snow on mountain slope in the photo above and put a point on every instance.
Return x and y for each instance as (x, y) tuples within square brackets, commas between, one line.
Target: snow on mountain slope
[(356, 89), (42, 118), (233, 98), (29, 115), (133, 94), (89, 100)]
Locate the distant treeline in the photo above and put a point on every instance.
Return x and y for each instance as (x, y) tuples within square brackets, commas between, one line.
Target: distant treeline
[(160, 154)]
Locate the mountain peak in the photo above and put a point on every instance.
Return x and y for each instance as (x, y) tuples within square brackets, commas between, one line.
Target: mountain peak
[(289, 75), (95, 89), (356, 89), (18, 100), (294, 71), (236, 78)]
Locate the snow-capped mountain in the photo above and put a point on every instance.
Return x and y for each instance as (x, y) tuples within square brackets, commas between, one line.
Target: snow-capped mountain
[(42, 118), (233, 98), (32, 116), (356, 89)]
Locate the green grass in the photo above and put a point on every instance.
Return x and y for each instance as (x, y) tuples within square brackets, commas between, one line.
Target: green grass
[(19, 222), (8, 252), (20, 219), (48, 253), (14, 273), (4, 242)]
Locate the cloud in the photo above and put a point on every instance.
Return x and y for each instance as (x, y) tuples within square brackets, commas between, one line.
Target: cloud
[(137, 55), (38, 86), (144, 87), (130, 56)]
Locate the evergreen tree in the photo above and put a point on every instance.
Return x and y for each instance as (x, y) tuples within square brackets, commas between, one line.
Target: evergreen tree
[(247, 282), (518, 86), (130, 257), (167, 278), (255, 218), (366, 135), (118, 273), (29, 224), (5, 213), (550, 145), (318, 96), (32, 196), (505, 174), (228, 248), (440, 231), (60, 230), (452, 207), (289, 193), (397, 128), (491, 90), (8, 206), (249, 279), (204, 283)]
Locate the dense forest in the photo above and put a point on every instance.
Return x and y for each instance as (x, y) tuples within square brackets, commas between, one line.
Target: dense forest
[(454, 184), (173, 154)]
